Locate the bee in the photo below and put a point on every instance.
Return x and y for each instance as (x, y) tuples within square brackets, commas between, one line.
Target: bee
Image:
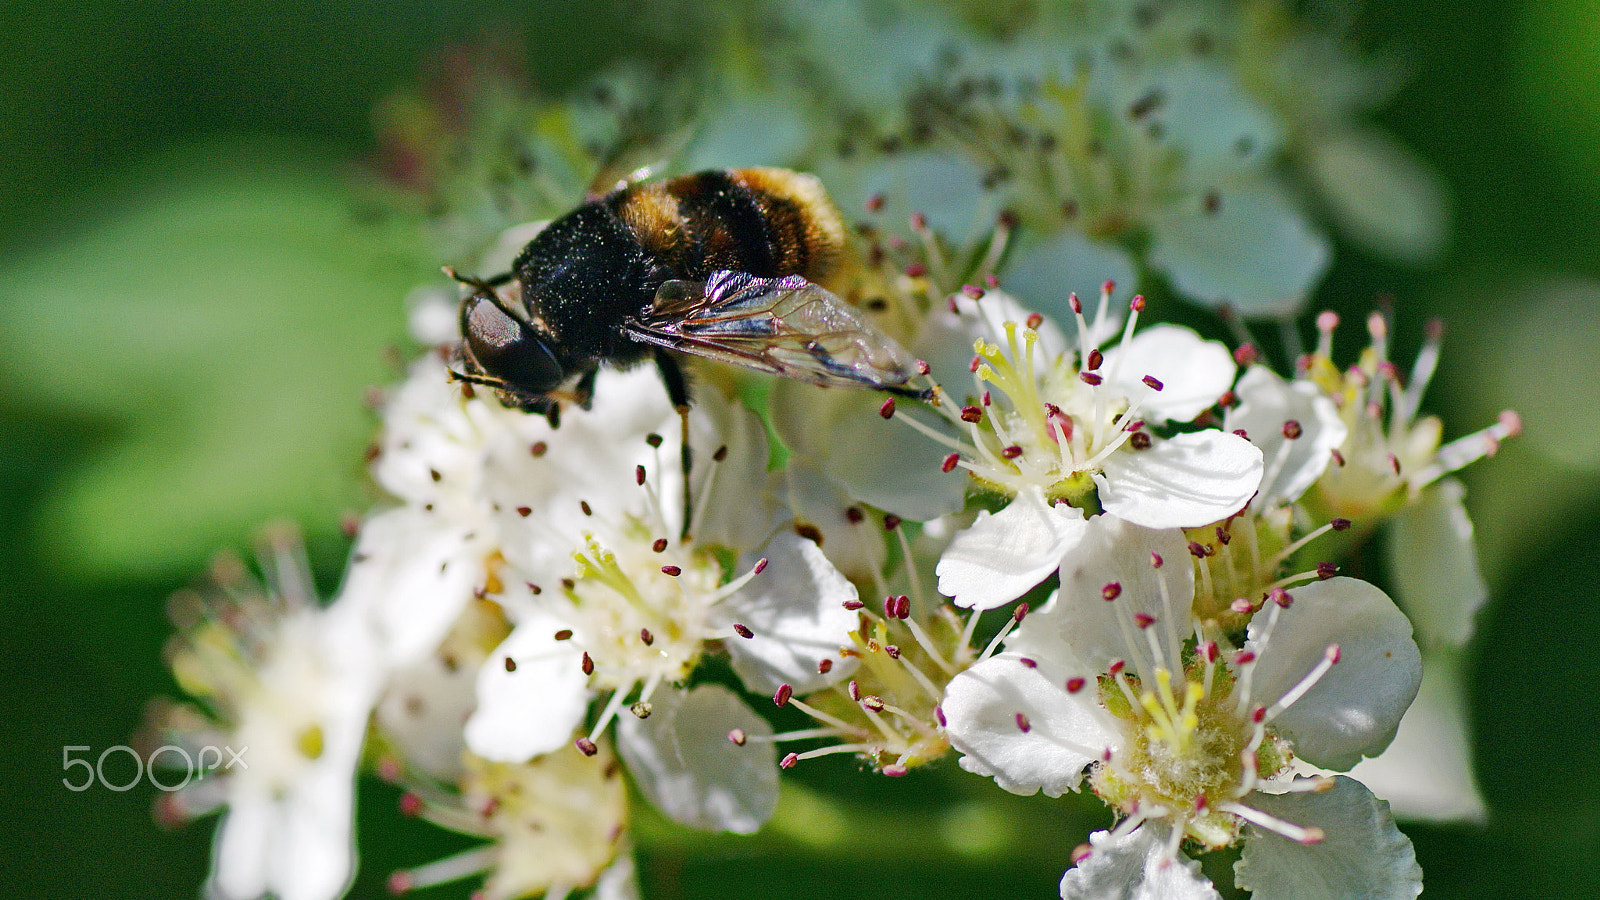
[(728, 265)]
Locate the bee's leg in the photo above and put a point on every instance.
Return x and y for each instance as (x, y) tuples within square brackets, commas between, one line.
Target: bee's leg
[(583, 391), (678, 392), (483, 284)]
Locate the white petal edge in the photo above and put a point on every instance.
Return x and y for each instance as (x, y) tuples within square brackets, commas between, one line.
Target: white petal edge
[(1065, 732), (1363, 857), (1435, 564), (795, 609), (683, 761), (1266, 403), (1135, 866), (1002, 556), (1355, 708), (535, 708), (1427, 771), (1185, 481), (1193, 371)]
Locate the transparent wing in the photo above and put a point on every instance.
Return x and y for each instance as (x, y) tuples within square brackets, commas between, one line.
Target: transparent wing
[(785, 326)]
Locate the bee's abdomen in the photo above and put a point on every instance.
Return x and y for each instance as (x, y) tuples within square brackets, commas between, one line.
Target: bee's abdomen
[(767, 222)]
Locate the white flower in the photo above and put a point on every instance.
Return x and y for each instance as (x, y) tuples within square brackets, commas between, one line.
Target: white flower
[(555, 824), (1392, 464), (1075, 429), (291, 686), (1192, 743)]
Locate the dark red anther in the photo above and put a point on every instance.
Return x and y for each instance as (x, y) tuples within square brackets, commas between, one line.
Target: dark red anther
[(587, 664), (971, 415), (987, 399), (539, 448), (890, 521), (887, 409), (1035, 320), (1075, 684), (524, 511), (853, 604), (1292, 430), (875, 203), (1140, 440), (1011, 452), (410, 804), (1281, 597), (743, 631), (1096, 358), (938, 716), (892, 650), (586, 746), (788, 761), (674, 571), (1138, 303), (1143, 620), (972, 291), (760, 566), (1156, 560), (584, 505), (564, 634), (976, 362), (916, 270), (1090, 378), (654, 440), (1338, 458), (1020, 613), (1224, 537), (854, 515), (1022, 723), (855, 690), (1111, 591), (1153, 383), (1339, 524), (1198, 550), (1326, 570), (1075, 303), (824, 666), (781, 698), (659, 545), (1028, 663), (511, 664), (949, 463), (646, 636)]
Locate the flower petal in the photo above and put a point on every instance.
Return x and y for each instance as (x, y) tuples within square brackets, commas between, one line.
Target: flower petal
[(1185, 481), (1387, 198), (795, 608), (684, 762), (1193, 371), (1266, 404), (1064, 731), (1427, 772), (411, 578), (1257, 252), (1114, 551), (535, 708), (1435, 564), (1002, 556), (1363, 855), (1355, 708), (1135, 866)]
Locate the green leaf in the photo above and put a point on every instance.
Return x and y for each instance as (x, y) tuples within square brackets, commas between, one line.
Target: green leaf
[(222, 322)]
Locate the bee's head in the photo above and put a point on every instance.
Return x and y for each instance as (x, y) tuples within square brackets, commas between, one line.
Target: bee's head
[(510, 352)]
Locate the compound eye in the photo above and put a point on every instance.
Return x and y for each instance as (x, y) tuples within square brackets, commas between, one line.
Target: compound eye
[(508, 349)]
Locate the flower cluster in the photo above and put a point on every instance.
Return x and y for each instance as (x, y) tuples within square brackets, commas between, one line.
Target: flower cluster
[(537, 616)]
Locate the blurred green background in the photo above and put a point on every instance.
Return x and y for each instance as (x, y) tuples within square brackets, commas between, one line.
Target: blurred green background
[(191, 302)]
